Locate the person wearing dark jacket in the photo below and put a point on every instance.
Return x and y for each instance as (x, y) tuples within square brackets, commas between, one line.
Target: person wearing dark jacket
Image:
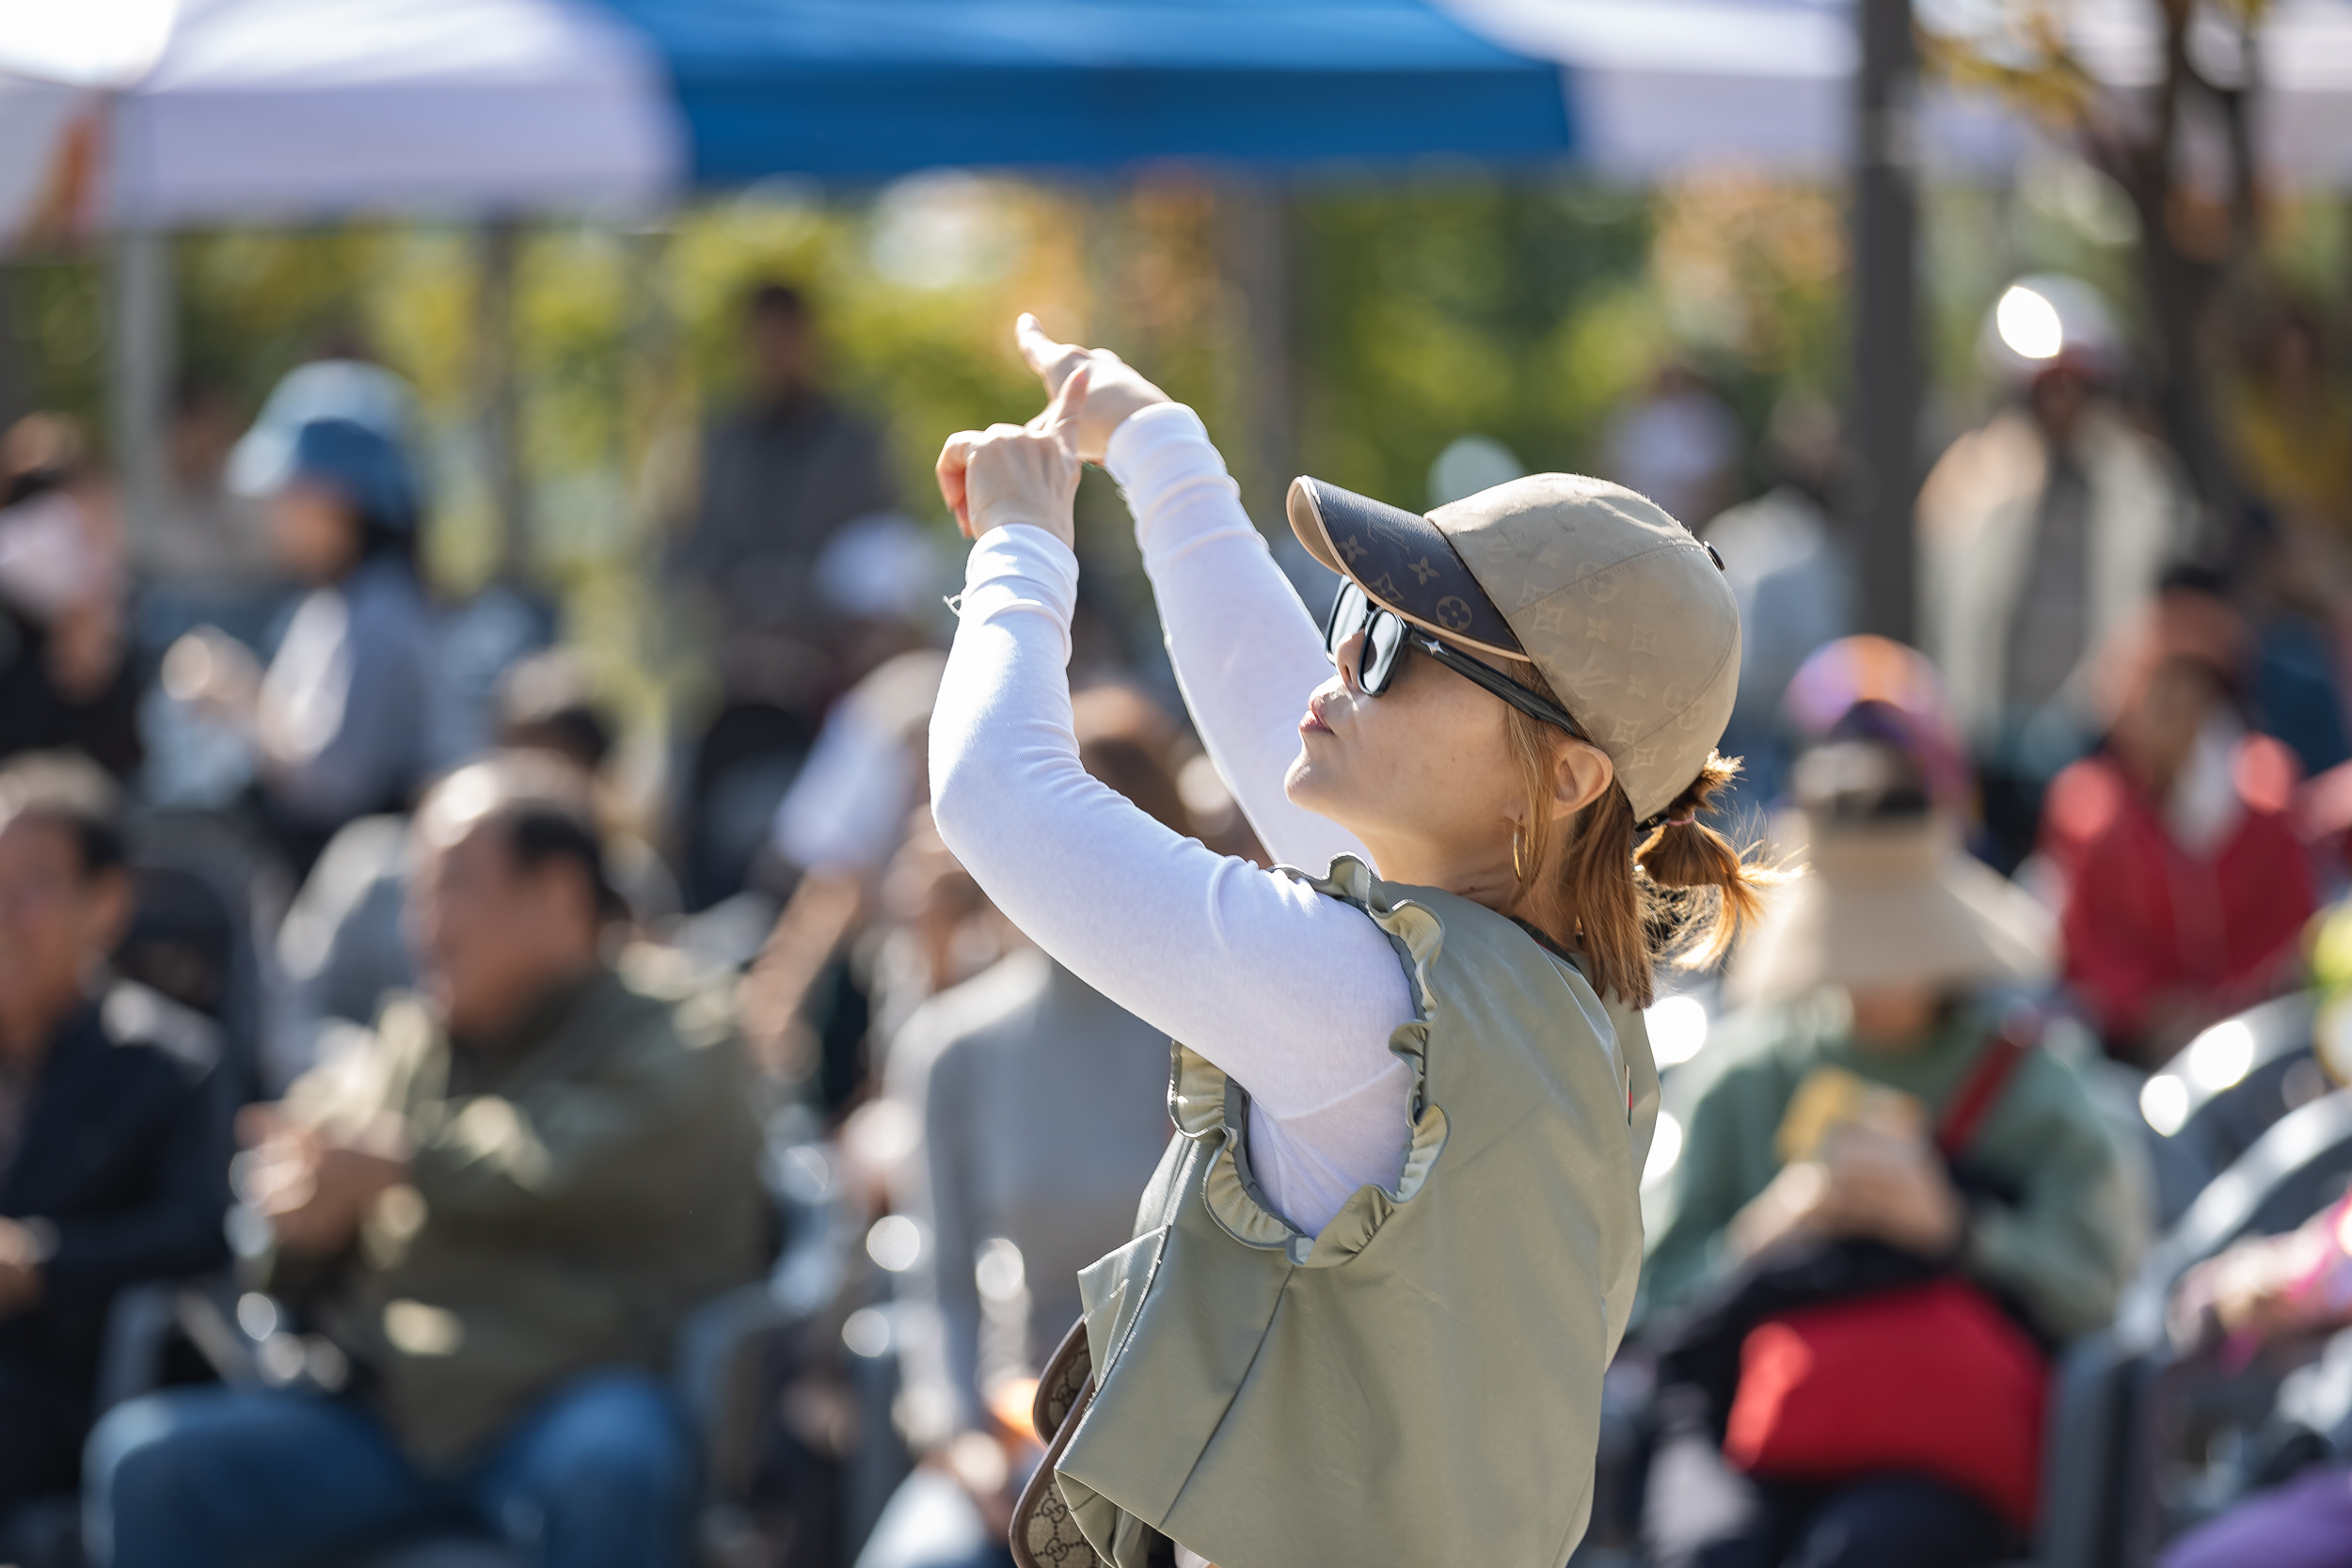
[(114, 1122), (64, 678)]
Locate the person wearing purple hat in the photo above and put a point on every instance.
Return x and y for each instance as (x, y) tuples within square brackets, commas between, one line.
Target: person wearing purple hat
[(342, 723), (1867, 687)]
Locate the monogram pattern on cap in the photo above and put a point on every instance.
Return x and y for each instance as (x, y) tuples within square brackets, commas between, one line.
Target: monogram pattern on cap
[(1593, 674), (1404, 561)]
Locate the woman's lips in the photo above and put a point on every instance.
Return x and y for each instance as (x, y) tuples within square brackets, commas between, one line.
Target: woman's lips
[(1312, 723)]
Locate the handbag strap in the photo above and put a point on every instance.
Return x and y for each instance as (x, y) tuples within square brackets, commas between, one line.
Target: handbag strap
[(2019, 1034)]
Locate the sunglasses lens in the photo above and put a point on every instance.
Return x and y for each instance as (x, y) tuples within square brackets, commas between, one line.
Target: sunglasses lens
[(1384, 637), (1347, 616), (1384, 640)]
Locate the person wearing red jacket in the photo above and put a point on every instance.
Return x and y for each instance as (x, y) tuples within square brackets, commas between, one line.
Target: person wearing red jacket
[(2185, 887)]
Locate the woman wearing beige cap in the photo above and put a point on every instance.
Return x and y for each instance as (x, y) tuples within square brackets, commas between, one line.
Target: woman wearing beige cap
[(1381, 1269)]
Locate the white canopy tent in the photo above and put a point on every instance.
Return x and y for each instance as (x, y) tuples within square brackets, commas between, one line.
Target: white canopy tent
[(259, 108), (255, 110)]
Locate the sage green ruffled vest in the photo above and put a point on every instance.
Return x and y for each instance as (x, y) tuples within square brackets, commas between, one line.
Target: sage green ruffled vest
[(1421, 1383)]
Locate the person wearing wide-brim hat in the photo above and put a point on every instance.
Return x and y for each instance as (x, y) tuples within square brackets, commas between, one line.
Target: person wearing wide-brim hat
[(1876, 989), (1383, 1265), (1890, 901)]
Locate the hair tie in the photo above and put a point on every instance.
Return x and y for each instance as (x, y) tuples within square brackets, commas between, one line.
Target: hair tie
[(1680, 821)]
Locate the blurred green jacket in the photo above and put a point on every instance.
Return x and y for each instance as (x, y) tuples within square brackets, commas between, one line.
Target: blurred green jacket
[(574, 1189), (2063, 1249)]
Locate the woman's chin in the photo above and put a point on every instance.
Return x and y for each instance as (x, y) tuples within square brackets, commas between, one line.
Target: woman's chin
[(1309, 787)]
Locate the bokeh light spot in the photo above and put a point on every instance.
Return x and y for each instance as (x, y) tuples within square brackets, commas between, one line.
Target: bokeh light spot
[(2029, 324)]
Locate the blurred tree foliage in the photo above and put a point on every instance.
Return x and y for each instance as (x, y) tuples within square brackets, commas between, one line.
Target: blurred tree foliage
[(1529, 312), (1451, 303), (56, 317), (2181, 150)]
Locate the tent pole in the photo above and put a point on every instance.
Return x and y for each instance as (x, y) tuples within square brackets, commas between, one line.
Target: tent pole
[(144, 346), (496, 394), (1882, 429)]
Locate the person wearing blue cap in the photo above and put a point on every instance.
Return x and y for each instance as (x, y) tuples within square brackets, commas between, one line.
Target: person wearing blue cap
[(342, 723)]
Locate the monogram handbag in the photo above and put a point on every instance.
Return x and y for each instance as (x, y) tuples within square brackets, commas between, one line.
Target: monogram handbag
[(1043, 1533)]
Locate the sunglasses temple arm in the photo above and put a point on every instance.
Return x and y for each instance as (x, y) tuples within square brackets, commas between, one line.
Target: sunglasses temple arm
[(1504, 687)]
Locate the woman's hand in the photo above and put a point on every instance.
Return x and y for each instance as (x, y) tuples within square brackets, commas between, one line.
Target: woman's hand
[(1890, 1188), (1786, 1211), (1114, 390), (1019, 473)]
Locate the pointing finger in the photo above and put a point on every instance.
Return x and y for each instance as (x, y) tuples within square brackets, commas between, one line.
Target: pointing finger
[(1050, 359)]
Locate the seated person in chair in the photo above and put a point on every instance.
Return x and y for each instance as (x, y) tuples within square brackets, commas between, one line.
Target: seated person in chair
[(342, 946), (114, 1120), (504, 1200), (2262, 1289), (1892, 1190)]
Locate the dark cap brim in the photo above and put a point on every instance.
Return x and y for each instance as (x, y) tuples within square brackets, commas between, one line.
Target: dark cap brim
[(1403, 560)]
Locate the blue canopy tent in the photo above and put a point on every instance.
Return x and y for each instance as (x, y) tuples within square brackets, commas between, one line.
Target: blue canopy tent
[(864, 87), (142, 114)]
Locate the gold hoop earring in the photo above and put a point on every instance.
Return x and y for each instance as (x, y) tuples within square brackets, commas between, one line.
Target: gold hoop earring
[(1518, 870)]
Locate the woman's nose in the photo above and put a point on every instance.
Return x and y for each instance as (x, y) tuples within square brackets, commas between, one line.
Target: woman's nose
[(1350, 659)]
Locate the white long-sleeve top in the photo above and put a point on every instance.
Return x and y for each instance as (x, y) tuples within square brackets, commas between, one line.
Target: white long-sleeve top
[(1292, 993)]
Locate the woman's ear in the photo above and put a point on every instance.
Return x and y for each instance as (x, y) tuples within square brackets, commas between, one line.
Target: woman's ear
[(1581, 772)]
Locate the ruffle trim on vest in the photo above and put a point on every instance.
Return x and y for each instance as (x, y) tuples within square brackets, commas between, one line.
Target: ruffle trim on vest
[(1206, 1104)]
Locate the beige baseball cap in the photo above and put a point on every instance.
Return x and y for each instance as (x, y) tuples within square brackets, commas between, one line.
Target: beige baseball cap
[(1628, 616)]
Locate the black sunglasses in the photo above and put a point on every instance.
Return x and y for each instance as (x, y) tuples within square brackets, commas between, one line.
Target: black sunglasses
[(1387, 635)]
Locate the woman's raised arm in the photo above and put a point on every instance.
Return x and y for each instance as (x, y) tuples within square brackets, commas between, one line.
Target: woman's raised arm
[(1247, 652), (1293, 993)]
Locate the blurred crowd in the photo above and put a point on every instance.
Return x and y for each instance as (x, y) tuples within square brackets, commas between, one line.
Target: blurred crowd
[(416, 1137)]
